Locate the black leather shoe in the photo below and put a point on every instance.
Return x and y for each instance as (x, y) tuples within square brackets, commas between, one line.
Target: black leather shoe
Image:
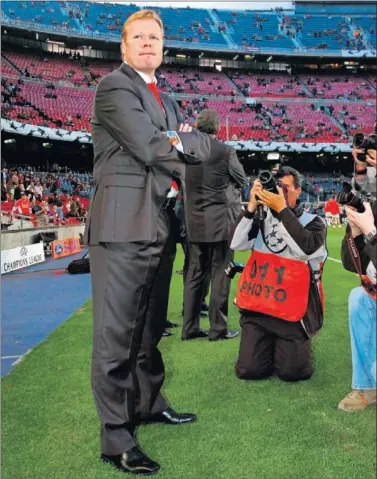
[(133, 461), (200, 334), (166, 333), (233, 333), (169, 324), (171, 417)]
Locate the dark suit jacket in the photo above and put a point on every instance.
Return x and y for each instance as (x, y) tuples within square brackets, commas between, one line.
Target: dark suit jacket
[(208, 197), (234, 208), (133, 159)]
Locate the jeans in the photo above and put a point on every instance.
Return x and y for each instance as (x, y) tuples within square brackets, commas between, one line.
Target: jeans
[(362, 317)]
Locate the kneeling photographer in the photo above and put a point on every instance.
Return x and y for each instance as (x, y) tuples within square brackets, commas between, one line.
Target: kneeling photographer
[(359, 255), (279, 291)]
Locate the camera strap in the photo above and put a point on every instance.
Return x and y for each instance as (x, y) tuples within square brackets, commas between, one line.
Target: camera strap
[(369, 287)]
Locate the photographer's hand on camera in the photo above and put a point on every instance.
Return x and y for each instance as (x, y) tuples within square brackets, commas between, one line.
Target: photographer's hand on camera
[(361, 223), (370, 159), (273, 201), (253, 202), (365, 171), (360, 166), (355, 230)]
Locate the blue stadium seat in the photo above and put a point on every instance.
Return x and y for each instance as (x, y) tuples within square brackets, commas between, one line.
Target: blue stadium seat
[(335, 38), (249, 28), (46, 13), (247, 24)]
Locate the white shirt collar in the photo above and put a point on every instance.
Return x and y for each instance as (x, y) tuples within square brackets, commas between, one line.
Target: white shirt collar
[(145, 77)]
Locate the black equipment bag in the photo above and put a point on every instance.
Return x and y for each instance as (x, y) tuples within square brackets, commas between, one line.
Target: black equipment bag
[(79, 266)]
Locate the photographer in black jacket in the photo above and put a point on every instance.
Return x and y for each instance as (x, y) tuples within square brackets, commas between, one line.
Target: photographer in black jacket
[(359, 255), (279, 290)]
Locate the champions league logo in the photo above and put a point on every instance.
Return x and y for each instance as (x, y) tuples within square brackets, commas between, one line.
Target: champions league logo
[(59, 248), (273, 240)]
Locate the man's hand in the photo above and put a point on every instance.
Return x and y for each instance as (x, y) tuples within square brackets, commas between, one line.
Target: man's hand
[(253, 203), (371, 158), (360, 165), (274, 201), (185, 127), (355, 230), (364, 222)]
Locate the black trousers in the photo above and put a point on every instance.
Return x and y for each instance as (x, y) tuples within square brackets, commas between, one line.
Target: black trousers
[(185, 268), (130, 286), (273, 346), (206, 261)]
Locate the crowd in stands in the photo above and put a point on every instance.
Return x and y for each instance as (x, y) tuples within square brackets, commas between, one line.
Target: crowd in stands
[(58, 196), (31, 95), (45, 196), (338, 87), (275, 28)]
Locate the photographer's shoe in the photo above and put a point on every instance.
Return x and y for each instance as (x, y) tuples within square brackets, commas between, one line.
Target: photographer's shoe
[(358, 400)]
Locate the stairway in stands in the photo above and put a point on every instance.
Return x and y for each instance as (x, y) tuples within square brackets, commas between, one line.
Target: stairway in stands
[(11, 64)]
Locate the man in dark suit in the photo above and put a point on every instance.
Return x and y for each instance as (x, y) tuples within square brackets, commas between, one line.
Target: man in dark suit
[(131, 246), (210, 214)]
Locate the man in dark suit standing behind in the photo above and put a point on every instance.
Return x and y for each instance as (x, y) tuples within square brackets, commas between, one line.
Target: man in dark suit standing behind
[(210, 214), (131, 246)]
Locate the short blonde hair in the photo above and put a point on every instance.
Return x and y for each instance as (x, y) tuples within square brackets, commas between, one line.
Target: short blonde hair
[(141, 15)]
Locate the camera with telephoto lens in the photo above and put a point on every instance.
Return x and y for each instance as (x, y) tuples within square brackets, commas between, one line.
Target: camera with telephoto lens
[(348, 197), (269, 178), (234, 268), (365, 142)]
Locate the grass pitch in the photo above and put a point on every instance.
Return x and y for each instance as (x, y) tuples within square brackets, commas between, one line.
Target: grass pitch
[(249, 430)]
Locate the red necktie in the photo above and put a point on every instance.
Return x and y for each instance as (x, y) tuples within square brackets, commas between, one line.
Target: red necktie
[(153, 88)]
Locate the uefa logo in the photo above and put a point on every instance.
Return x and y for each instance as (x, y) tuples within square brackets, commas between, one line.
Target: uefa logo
[(23, 252), (59, 248)]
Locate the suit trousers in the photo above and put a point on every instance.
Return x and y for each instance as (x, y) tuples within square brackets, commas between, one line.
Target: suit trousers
[(130, 284), (206, 260), (185, 268), (270, 345)]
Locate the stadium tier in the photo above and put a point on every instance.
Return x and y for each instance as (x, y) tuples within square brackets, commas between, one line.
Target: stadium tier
[(307, 28), (68, 103)]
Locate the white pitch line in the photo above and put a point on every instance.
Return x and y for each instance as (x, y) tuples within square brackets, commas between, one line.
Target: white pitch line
[(335, 260), (22, 357), (17, 358)]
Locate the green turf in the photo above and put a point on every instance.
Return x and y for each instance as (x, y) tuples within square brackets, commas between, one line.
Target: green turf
[(251, 430)]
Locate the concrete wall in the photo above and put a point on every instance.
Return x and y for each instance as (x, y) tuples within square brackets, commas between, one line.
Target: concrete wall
[(18, 238)]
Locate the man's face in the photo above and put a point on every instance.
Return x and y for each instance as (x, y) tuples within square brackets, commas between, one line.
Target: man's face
[(143, 48), (291, 192)]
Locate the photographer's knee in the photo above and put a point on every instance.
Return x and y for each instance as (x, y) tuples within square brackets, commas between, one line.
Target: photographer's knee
[(252, 371), (295, 375)]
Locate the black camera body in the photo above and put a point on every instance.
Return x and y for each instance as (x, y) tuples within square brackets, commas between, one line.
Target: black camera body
[(348, 197), (234, 268), (268, 181), (364, 142)]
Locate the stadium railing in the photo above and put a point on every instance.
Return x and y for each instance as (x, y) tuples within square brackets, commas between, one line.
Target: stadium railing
[(27, 222)]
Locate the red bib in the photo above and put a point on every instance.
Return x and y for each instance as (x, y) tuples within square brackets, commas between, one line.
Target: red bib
[(274, 285)]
